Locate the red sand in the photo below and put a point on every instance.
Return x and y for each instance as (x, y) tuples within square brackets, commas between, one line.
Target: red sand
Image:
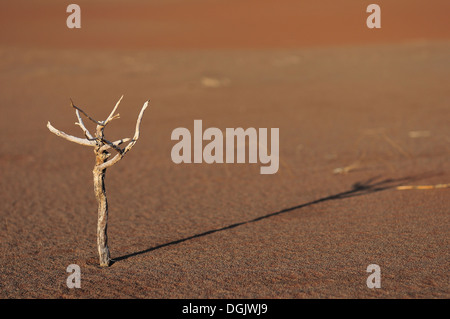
[(339, 93), (220, 24)]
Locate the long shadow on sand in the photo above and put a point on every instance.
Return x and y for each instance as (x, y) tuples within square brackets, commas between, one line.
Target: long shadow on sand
[(358, 189)]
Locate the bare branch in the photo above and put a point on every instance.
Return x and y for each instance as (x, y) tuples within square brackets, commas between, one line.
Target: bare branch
[(85, 114), (120, 155), (139, 120), (81, 124), (111, 117), (70, 137)]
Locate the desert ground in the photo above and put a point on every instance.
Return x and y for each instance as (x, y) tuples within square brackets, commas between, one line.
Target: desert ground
[(360, 112)]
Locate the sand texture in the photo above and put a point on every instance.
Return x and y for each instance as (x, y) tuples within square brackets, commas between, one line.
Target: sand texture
[(360, 112)]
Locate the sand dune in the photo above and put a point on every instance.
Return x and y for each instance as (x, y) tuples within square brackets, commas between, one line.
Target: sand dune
[(373, 101)]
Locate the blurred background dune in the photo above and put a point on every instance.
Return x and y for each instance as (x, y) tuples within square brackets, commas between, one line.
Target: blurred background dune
[(181, 24)]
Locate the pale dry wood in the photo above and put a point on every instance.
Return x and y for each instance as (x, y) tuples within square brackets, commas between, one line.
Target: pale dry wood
[(70, 138), (102, 162), (121, 154), (84, 113), (115, 143), (111, 115), (83, 127), (102, 213), (422, 187)]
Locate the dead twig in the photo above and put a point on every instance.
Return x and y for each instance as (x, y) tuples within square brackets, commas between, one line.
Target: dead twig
[(408, 187), (102, 162)]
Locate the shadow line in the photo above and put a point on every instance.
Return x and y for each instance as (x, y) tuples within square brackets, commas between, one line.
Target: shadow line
[(358, 189)]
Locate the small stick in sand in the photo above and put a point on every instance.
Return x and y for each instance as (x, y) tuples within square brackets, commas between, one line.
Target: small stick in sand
[(346, 169), (407, 187), (102, 162)]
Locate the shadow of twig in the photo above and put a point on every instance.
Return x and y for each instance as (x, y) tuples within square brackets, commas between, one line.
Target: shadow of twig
[(358, 189)]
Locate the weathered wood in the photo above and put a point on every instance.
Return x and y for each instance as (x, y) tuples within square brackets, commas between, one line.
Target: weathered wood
[(102, 223), (102, 162), (133, 141), (70, 138)]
